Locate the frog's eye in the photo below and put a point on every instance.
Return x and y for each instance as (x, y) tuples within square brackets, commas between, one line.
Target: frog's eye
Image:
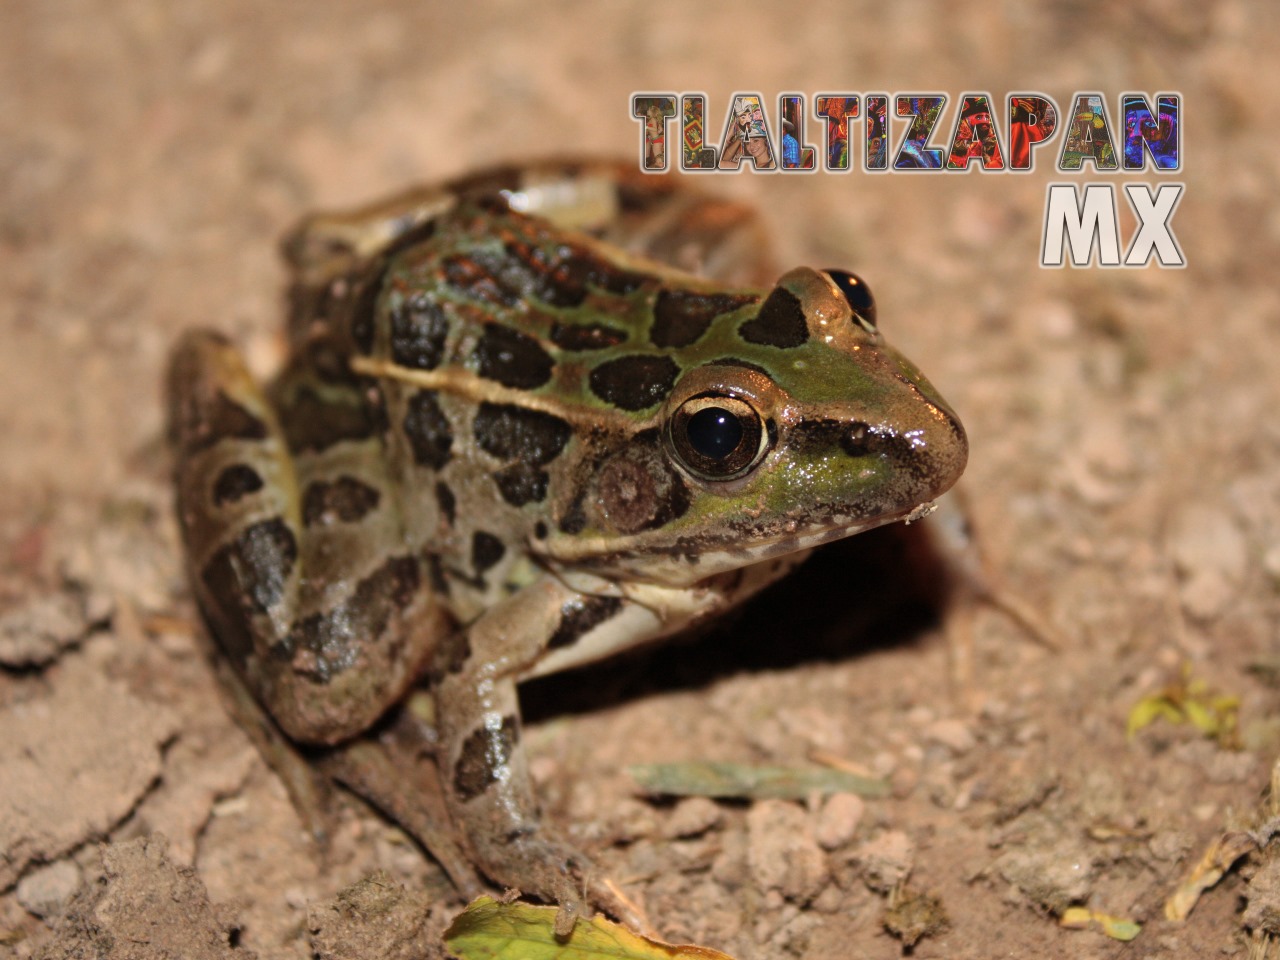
[(858, 295), (717, 437)]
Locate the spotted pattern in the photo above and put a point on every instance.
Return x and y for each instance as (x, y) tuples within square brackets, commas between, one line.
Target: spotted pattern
[(234, 483), (563, 274), (428, 431), (580, 616), (681, 317), (418, 332), (780, 322), (485, 752), (512, 358), (345, 500), (634, 383), (256, 565), (509, 432), (336, 637)]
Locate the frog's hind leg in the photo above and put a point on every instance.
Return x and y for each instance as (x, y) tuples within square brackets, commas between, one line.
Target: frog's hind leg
[(302, 569), (237, 501), (297, 556)]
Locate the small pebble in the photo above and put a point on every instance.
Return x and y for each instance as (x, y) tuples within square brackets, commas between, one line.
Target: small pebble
[(838, 820), (691, 817), (44, 892)]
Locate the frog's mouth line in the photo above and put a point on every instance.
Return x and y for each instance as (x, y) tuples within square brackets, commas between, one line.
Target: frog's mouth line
[(701, 556)]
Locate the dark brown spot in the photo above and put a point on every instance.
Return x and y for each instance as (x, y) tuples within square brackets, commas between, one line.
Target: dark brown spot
[(447, 503), (512, 358), (780, 322), (509, 433), (681, 317), (522, 483), (484, 754), (312, 423), (439, 582), (255, 566), (452, 655), (586, 336), (580, 616), (540, 530), (486, 550), (337, 637), (634, 383), (418, 332), (428, 431), (199, 425), (345, 500), (574, 519), (236, 481)]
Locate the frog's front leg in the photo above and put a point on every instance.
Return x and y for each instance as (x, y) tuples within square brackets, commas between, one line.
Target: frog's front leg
[(484, 762), (547, 626)]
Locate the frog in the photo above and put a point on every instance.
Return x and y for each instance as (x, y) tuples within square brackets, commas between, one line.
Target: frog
[(528, 419)]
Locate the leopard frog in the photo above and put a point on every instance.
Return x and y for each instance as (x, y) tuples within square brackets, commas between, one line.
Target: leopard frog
[(502, 446)]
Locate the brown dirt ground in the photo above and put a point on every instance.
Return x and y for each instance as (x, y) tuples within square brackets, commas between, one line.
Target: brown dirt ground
[(1123, 480)]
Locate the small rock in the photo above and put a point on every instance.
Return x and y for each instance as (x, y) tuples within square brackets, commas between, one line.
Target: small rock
[(691, 817), (1052, 876), (838, 820), (632, 821), (886, 860), (1210, 552), (46, 891), (782, 853), (956, 735)]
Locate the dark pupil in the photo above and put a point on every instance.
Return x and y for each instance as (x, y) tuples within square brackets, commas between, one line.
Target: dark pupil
[(856, 293), (714, 432)]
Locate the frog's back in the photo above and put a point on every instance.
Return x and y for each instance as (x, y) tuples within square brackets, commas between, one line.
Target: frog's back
[(480, 367)]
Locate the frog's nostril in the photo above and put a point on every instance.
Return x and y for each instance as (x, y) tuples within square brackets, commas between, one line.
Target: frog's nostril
[(856, 440)]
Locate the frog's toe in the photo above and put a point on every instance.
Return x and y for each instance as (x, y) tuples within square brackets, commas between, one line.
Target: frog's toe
[(559, 873)]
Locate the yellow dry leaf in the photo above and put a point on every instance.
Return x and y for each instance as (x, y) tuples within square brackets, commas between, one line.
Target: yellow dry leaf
[(490, 930), (1082, 918), (1217, 860)]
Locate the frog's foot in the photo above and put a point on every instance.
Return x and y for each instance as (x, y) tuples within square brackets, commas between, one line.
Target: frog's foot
[(553, 870)]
